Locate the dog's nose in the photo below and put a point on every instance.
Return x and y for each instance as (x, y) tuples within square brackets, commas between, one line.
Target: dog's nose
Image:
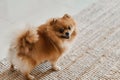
[(67, 33)]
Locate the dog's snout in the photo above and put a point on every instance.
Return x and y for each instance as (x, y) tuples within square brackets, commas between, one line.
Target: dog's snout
[(67, 33)]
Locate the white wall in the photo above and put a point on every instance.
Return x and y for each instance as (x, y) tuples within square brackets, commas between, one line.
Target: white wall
[(14, 14)]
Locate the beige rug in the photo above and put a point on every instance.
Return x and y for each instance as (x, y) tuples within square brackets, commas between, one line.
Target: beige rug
[(94, 56)]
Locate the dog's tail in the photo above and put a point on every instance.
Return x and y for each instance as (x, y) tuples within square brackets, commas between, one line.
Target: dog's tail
[(27, 39)]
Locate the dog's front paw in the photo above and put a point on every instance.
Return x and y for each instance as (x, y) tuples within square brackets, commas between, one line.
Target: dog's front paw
[(56, 68)]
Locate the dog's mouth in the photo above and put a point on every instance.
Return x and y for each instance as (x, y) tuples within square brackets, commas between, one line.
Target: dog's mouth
[(65, 37)]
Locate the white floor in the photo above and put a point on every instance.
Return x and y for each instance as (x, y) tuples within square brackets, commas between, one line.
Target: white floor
[(15, 14)]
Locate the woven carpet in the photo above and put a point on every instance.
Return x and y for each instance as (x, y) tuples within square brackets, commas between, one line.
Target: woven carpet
[(95, 54)]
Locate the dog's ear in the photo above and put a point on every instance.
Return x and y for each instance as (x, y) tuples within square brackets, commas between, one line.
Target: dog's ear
[(66, 16), (53, 21)]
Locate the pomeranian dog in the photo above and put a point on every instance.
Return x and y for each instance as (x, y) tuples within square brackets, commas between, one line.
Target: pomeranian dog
[(44, 43)]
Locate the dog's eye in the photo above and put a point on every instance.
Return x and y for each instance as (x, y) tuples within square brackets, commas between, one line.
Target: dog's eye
[(61, 30), (69, 27)]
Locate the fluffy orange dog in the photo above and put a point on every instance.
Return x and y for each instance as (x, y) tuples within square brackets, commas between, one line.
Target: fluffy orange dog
[(47, 42)]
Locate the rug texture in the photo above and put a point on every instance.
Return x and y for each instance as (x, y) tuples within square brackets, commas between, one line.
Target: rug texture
[(95, 54)]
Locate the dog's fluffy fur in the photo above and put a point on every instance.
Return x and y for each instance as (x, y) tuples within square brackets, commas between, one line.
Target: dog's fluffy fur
[(47, 42)]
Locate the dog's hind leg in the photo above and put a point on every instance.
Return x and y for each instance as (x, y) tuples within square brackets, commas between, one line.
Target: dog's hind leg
[(27, 74), (27, 67), (29, 77), (12, 67)]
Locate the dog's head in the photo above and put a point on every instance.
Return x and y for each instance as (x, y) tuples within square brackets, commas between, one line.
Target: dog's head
[(62, 27)]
